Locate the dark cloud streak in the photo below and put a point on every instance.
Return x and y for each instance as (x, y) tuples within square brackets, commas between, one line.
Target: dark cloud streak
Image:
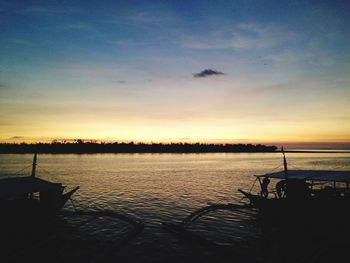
[(207, 73)]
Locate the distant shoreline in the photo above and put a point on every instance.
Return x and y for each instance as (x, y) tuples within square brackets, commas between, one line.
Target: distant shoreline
[(184, 152), (315, 151), (81, 147)]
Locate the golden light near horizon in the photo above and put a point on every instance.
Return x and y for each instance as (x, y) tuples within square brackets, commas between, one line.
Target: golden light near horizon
[(165, 78)]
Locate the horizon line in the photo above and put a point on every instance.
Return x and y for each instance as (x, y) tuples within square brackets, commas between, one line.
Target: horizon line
[(285, 143)]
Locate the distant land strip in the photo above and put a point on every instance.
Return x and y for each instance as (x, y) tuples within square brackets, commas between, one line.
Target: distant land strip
[(316, 151), (93, 147)]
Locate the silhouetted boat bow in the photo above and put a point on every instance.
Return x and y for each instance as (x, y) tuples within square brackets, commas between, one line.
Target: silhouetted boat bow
[(31, 196)]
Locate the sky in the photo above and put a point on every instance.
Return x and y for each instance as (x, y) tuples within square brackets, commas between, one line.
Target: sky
[(209, 71)]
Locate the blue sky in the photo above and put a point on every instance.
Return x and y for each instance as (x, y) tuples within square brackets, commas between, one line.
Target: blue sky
[(124, 70)]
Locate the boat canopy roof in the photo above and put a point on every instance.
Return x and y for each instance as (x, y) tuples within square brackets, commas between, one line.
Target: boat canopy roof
[(20, 186), (315, 175)]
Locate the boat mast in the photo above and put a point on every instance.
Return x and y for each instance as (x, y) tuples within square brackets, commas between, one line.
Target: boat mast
[(34, 166), (285, 165), (285, 171)]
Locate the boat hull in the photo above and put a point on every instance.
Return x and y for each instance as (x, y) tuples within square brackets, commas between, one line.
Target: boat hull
[(312, 210), (33, 208)]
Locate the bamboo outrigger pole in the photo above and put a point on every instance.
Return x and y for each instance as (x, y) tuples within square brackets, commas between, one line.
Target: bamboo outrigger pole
[(285, 165), (285, 171), (34, 166)]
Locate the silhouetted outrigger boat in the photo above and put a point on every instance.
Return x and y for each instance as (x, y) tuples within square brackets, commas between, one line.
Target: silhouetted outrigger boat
[(300, 199), (31, 212), (317, 196), (31, 197)]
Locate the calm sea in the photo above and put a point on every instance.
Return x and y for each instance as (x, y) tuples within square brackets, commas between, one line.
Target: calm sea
[(160, 188)]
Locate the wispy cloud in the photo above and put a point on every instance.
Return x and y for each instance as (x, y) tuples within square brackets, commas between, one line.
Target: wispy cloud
[(45, 10), (145, 18), (79, 26), (131, 43), (205, 42), (23, 42), (207, 73), (244, 36), (17, 137), (38, 10), (257, 36), (141, 18)]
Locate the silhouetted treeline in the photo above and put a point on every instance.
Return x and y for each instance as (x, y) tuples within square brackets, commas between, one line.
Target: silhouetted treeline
[(93, 147)]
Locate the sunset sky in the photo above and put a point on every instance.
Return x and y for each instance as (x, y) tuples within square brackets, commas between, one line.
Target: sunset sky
[(125, 70)]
